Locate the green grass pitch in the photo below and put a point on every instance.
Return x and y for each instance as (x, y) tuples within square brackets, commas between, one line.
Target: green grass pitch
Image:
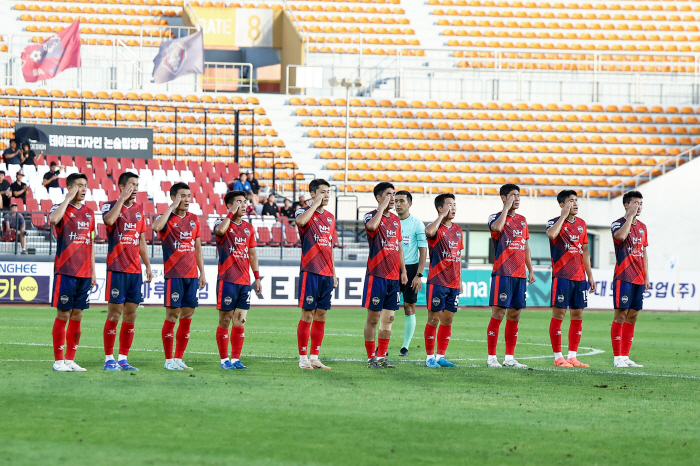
[(276, 414)]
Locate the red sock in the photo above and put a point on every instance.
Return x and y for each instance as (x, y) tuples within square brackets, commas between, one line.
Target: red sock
[(167, 334), (72, 339), (59, 338), (443, 339), (492, 335), (303, 330), (182, 337), (616, 337), (126, 337), (109, 335), (222, 341), (429, 335), (627, 337), (575, 334), (237, 339), (383, 347), (555, 334), (317, 331), (369, 346), (511, 336)]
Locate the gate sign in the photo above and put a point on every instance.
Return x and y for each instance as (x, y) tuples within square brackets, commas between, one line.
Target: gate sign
[(235, 27)]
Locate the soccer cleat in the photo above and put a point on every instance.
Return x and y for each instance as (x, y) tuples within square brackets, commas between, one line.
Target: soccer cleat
[(631, 363), (227, 365), (182, 365), (493, 363), (514, 364), (126, 366), (373, 364), (384, 364), (74, 367), (619, 363), (403, 352), (561, 362), (317, 364), (171, 366), (576, 363), (432, 362), (305, 364), (111, 366), (239, 365), (60, 366), (442, 362)]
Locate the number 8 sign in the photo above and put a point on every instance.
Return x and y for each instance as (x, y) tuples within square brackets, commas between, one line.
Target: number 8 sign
[(253, 27)]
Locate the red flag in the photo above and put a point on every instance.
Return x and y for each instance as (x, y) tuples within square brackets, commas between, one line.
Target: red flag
[(57, 53)]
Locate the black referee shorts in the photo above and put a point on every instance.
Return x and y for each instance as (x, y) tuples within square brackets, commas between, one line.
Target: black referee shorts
[(410, 296)]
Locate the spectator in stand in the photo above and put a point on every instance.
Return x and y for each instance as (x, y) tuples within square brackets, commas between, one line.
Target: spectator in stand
[(19, 188), (270, 207), (300, 204), (287, 210), (14, 220), (13, 155), (242, 184), (254, 185), (250, 208), (51, 176), (4, 191), (30, 157)]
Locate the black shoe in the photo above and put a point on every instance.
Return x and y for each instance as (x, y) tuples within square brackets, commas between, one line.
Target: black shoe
[(403, 352), (385, 365), (373, 364)]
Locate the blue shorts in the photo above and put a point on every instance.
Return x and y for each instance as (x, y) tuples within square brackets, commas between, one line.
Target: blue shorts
[(181, 292), (508, 292), (315, 291), (572, 294), (380, 293), (123, 287), (230, 296), (70, 292), (627, 295), (439, 298)]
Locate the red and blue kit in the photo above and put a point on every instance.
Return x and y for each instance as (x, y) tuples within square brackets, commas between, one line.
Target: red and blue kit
[(508, 281), (233, 283), (316, 275), (73, 263), (180, 261), (628, 285), (569, 285), (124, 280), (381, 290), (444, 277)]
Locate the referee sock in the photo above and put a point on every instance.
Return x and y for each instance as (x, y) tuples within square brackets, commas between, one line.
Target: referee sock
[(408, 329)]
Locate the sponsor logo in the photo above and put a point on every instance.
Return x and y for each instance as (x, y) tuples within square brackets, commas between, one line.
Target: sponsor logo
[(502, 296), (375, 300), (624, 299), (115, 292), (309, 299), (560, 298), (175, 296), (185, 234), (436, 301), (64, 299), (517, 233), (227, 300), (83, 225), (28, 288), (580, 229), (129, 226), (138, 215), (192, 224)]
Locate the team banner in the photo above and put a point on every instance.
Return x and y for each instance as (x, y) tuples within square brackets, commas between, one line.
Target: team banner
[(93, 141), (25, 282)]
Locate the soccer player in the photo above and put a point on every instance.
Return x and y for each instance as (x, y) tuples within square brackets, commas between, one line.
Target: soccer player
[(631, 277), (74, 270), (317, 277), (385, 270), (235, 240), (126, 227), (182, 256), (444, 279), (508, 280), (571, 264), (415, 249)]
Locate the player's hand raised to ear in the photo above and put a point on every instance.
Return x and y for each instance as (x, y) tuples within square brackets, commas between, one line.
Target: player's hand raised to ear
[(176, 202), (510, 201), (127, 192), (72, 192), (632, 209)]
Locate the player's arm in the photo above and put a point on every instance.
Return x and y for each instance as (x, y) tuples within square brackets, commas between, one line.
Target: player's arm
[(200, 261), (587, 266), (143, 252), (623, 232), (253, 255), (302, 219), (647, 284), (528, 263), (404, 275), (373, 223), (222, 226), (56, 216), (431, 230), (160, 223), (110, 217), (422, 255), (93, 273), (554, 230), (500, 222)]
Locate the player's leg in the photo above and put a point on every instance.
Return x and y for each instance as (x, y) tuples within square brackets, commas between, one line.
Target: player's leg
[(559, 305), (318, 327), (168, 335), (445, 331), (222, 337), (307, 303), (517, 288), (126, 334), (370, 333), (386, 319), (238, 329), (22, 241), (498, 301), (628, 325), (578, 301), (436, 306), (64, 305), (410, 297), (622, 303), (80, 302), (189, 304), (115, 297)]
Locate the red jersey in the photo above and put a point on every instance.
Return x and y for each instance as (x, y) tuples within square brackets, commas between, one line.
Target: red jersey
[(629, 253), (178, 236), (510, 245), (384, 257), (317, 242), (74, 234), (234, 261), (446, 257), (124, 238), (567, 249)]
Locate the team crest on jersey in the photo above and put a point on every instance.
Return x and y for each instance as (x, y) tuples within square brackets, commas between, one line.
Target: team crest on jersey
[(309, 299), (115, 292), (175, 296), (459, 234), (192, 224), (641, 231), (560, 298), (522, 223), (247, 232), (396, 225), (227, 300), (580, 229), (138, 215), (375, 300), (624, 299), (436, 301), (64, 299), (330, 220), (503, 296), (88, 215)]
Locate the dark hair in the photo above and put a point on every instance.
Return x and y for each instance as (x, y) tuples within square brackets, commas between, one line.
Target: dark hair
[(242, 173), (231, 195), (2, 172), (631, 195), (73, 177), (317, 183), (13, 205), (25, 143), (381, 187), (178, 186), (407, 194), (13, 140), (52, 164), (564, 195), (507, 188), (124, 178), (440, 200)]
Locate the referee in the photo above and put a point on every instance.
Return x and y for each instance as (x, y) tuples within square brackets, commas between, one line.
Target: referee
[(415, 247)]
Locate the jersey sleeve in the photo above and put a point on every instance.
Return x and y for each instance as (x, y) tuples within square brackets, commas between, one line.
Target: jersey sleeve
[(59, 225), (646, 238), (106, 207), (526, 232), (299, 212), (367, 218), (551, 223), (251, 241), (492, 219), (197, 229), (616, 225), (461, 242), (161, 234), (218, 222), (584, 239)]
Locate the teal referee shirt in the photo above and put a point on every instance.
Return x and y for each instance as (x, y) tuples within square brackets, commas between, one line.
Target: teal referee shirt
[(413, 232)]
